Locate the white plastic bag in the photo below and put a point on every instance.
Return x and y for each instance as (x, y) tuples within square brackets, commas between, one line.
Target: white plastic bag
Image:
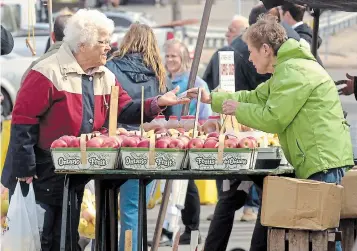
[(21, 232)]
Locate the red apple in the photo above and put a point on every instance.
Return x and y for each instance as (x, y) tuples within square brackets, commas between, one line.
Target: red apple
[(129, 142), (136, 137), (211, 143), (160, 131), (67, 139), (110, 142), (246, 143), (145, 143), (176, 143), (120, 138), (254, 140), (231, 143), (75, 142), (163, 143), (59, 143), (213, 135), (103, 130), (95, 142), (195, 143), (185, 139)]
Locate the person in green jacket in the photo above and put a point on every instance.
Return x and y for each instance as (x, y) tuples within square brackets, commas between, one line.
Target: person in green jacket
[(299, 102)]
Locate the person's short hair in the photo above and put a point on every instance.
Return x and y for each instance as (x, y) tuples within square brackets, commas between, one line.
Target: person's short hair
[(296, 11), (266, 30), (259, 10), (256, 12), (59, 25), (85, 26)]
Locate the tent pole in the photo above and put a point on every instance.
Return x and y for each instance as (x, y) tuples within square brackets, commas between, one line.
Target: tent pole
[(315, 33)]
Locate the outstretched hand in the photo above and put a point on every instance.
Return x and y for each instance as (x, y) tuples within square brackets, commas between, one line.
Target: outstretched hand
[(28, 180), (205, 96), (349, 88), (170, 98)]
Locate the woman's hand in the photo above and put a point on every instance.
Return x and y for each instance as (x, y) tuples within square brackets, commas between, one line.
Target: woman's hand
[(28, 180), (349, 88), (229, 107), (205, 96), (170, 99)]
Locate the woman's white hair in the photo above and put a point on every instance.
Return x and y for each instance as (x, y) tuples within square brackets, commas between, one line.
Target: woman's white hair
[(85, 26)]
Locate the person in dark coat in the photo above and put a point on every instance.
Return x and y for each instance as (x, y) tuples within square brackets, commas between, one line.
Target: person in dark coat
[(293, 15), (246, 78), (7, 41), (136, 64)]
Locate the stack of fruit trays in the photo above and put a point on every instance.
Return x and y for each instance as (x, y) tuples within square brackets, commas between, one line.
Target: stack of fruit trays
[(88, 152)]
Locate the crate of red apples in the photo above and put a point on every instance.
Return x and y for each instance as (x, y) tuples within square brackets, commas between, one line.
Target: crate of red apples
[(223, 152), (88, 152), (154, 151)]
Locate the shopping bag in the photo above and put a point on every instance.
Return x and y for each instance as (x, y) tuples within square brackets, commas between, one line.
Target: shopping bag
[(21, 232)]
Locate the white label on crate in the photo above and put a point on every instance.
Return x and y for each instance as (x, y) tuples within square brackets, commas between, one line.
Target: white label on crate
[(231, 161), (226, 71), (67, 160), (139, 160)]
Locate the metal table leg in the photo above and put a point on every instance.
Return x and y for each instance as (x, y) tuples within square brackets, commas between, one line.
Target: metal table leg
[(72, 218), (141, 223), (100, 215), (113, 218), (65, 213), (144, 213)]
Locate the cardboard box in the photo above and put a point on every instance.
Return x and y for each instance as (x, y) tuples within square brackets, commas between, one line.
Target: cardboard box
[(349, 198), (300, 204)]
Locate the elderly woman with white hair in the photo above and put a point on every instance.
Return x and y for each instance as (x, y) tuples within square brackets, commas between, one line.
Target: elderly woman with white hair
[(67, 93)]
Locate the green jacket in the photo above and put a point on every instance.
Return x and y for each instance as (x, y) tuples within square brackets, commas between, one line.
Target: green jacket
[(301, 104)]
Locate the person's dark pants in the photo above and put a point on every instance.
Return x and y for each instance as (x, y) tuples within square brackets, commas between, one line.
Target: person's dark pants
[(191, 212), (50, 222), (253, 197), (222, 223), (260, 233)]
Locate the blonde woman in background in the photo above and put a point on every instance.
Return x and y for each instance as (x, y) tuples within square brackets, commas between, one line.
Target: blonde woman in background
[(137, 63)]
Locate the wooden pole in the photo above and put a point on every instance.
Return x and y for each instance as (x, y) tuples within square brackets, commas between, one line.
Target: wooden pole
[(198, 49), (50, 19)]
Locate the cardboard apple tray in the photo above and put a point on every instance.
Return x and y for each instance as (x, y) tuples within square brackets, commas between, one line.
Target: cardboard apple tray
[(155, 159), (84, 158), (222, 158)]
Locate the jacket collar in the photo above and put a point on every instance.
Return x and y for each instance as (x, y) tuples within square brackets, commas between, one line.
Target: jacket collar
[(55, 46), (69, 64)]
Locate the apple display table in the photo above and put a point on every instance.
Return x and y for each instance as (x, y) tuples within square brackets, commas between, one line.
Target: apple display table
[(107, 183)]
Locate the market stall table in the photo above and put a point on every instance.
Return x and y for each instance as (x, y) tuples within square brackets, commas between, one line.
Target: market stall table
[(107, 183)]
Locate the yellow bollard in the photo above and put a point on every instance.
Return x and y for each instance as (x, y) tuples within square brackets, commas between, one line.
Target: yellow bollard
[(5, 139)]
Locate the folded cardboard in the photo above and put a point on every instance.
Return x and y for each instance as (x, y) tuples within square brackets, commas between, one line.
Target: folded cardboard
[(349, 197), (300, 204)]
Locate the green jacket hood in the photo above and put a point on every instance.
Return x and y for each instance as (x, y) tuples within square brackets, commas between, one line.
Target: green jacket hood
[(294, 49)]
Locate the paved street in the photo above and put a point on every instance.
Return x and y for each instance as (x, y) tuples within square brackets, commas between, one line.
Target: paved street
[(241, 234)]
